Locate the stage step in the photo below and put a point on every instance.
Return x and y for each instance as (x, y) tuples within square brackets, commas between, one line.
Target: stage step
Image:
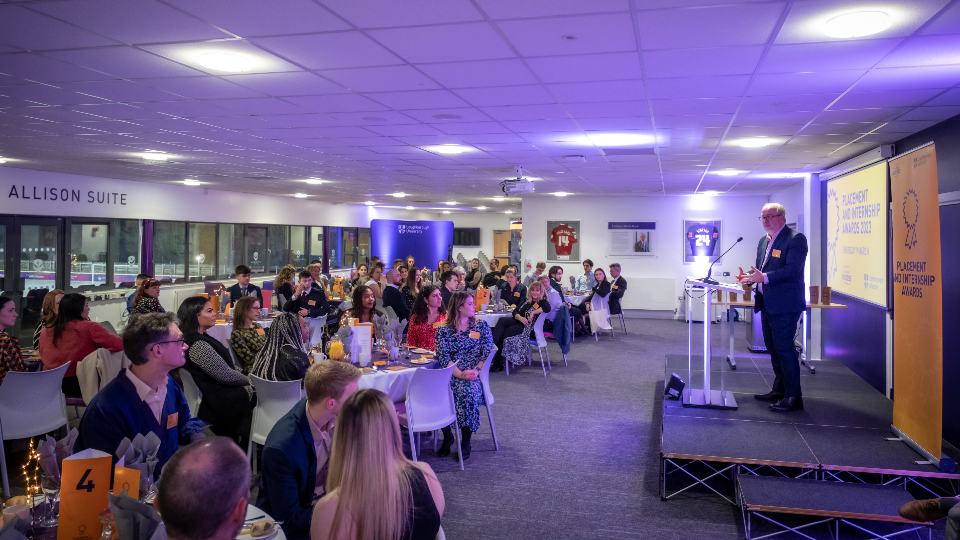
[(827, 503)]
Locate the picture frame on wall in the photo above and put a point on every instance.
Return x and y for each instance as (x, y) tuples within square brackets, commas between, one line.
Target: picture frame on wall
[(631, 238), (563, 241), (701, 240)]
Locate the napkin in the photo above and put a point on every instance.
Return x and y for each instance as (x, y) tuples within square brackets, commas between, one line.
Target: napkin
[(53, 451), (141, 454), (133, 519)]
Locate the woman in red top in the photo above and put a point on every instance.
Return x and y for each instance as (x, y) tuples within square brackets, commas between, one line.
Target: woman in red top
[(71, 338), (427, 311)]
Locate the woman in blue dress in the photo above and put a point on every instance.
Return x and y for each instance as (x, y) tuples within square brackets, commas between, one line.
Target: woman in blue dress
[(466, 343)]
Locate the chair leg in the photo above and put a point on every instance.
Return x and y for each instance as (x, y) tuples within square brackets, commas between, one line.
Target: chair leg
[(3, 470), (456, 434), (543, 364), (506, 365), (564, 359), (573, 332), (623, 323), (493, 428), (413, 444)]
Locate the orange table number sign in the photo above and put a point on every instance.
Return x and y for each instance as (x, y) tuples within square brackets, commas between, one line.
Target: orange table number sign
[(267, 299), (126, 481), (85, 483), (482, 298)]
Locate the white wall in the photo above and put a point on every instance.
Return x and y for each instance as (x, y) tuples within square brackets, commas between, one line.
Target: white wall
[(487, 222), (665, 266)]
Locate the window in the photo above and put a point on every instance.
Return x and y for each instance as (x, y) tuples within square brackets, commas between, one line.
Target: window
[(88, 254), (169, 250), (278, 249), (316, 244), (255, 248), (202, 242), (298, 244), (125, 237), (363, 246), (230, 249)]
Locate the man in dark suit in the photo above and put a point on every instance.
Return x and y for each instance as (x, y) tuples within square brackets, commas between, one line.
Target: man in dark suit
[(618, 286), (294, 463), (392, 297), (449, 281), (243, 287), (778, 280), (307, 300)]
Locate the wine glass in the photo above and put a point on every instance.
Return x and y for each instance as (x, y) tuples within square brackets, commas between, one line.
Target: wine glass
[(50, 485)]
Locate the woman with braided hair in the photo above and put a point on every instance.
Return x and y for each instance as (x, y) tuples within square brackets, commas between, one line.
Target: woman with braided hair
[(282, 357)]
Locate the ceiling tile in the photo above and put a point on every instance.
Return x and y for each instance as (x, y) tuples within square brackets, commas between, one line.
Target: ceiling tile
[(718, 61), (472, 128), (695, 87), (895, 79), (804, 82), (715, 26), (509, 9), (900, 98), (948, 98), (121, 90), (42, 69), (140, 21), (424, 99), (590, 67), (441, 116), (507, 95), (385, 13), (335, 103), (380, 79), (862, 54), (124, 62), (479, 74), (202, 88), (446, 43), (294, 83), (926, 51), (597, 91), (30, 30), (607, 109), (571, 35), (330, 51), (248, 18)]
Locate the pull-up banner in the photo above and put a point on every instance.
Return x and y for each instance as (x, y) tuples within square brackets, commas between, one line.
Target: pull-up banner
[(917, 300)]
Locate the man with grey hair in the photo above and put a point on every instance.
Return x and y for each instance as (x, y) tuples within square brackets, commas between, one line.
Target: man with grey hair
[(143, 398), (393, 298), (203, 491), (777, 277)]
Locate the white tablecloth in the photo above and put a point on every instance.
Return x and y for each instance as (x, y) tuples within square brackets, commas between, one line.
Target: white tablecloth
[(392, 383), (221, 331), (254, 512), (575, 299), (492, 318)]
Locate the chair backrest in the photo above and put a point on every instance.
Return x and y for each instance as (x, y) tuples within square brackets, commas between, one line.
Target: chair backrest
[(429, 400), (274, 399), (32, 403), (600, 302), (485, 378), (538, 330), (191, 391)]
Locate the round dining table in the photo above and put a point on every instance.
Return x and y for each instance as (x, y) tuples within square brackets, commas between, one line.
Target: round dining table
[(392, 380), (255, 514), (492, 318), (575, 299)]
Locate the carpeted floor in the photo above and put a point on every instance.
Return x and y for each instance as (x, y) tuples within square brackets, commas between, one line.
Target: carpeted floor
[(579, 452)]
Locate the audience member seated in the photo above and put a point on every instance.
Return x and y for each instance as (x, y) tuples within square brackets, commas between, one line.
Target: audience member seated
[(283, 284), (295, 455), (930, 510), (474, 274), (448, 285), (587, 281), (520, 324), (511, 290), (556, 283), (147, 297), (442, 266), (411, 288), (243, 287), (374, 280), (247, 337), (48, 313), (601, 287), (492, 278), (461, 277), (393, 298), (364, 306), (227, 396), (464, 342), (411, 262), (284, 357), (10, 358), (428, 313), (618, 286), (361, 277), (71, 338), (136, 285), (143, 398), (535, 274), (374, 491), (307, 300), (204, 490)]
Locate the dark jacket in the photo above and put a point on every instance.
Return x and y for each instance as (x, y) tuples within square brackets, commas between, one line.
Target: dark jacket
[(318, 308), (617, 288), (289, 473), (491, 279), (393, 298), (601, 289), (252, 290), (784, 292), (514, 296)]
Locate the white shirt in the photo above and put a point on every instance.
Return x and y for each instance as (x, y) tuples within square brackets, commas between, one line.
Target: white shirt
[(153, 398), (322, 443)]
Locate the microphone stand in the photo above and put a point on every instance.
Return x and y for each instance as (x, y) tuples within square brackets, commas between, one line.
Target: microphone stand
[(710, 270)]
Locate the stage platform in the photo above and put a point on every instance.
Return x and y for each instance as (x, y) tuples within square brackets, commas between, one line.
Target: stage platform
[(843, 434)]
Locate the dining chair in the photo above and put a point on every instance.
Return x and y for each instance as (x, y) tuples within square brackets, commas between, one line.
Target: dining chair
[(540, 342), (552, 316), (488, 395), (599, 316), (429, 405), (274, 399), (191, 391), (31, 404)]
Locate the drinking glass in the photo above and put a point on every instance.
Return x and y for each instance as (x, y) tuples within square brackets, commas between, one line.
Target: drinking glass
[(50, 485)]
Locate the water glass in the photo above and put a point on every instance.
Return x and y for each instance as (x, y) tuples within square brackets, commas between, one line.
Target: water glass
[(50, 485)]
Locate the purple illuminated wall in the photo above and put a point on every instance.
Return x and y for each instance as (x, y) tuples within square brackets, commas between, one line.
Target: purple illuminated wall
[(428, 241)]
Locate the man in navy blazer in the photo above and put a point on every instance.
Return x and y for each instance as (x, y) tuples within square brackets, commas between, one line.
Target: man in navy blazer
[(293, 466), (243, 287), (777, 278), (393, 298)]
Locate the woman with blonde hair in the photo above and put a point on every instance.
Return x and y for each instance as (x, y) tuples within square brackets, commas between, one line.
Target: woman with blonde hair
[(48, 313), (283, 285), (247, 337), (373, 491)]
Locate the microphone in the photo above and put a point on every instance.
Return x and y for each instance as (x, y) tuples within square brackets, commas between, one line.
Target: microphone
[(710, 270)]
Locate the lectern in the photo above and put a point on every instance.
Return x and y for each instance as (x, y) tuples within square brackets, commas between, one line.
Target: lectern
[(705, 397)]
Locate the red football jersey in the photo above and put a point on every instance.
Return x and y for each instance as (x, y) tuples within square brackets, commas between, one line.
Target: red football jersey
[(563, 237)]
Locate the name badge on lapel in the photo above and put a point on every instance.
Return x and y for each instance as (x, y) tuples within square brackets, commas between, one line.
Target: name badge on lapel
[(260, 332), (173, 420), (314, 302), (516, 294), (775, 253), (474, 335)]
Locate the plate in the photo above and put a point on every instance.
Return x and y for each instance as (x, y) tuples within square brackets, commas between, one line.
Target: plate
[(421, 361), (268, 536), (421, 351)]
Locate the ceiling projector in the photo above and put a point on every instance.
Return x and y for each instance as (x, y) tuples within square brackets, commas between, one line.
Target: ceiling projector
[(518, 185)]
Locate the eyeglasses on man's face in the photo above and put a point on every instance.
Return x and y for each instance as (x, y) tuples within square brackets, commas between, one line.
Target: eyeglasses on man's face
[(768, 217), (180, 342)]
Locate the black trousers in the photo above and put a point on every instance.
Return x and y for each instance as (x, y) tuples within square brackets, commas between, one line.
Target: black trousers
[(505, 327), (779, 330)]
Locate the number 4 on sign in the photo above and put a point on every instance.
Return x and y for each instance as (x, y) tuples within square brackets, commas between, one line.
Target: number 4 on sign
[(88, 473), (85, 483)]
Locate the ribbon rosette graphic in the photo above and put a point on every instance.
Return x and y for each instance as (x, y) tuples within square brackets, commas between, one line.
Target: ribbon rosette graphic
[(911, 215)]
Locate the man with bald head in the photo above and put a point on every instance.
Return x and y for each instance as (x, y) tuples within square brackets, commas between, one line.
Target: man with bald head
[(392, 297), (203, 491)]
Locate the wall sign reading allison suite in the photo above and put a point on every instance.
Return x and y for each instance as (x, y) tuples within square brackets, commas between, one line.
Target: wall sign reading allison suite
[(55, 193)]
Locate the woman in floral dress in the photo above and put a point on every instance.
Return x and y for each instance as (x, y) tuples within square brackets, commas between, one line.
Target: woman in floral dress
[(465, 343)]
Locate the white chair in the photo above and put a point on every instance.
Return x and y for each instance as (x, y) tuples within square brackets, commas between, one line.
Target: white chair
[(599, 316), (540, 342), (31, 404), (429, 405), (191, 391), (623, 321), (551, 316), (274, 399), (488, 395)]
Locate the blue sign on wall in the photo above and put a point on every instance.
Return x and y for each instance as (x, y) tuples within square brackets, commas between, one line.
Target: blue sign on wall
[(428, 241)]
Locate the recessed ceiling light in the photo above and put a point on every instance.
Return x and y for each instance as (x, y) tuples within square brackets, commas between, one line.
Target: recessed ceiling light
[(369, 203), (409, 208), (448, 149), (3, 160), (508, 211), (225, 61), (451, 203), (499, 198), (192, 182), (154, 155), (857, 24), (446, 211), (753, 142), (315, 181), (398, 195), (300, 195), (710, 193), (609, 139), (561, 193), (480, 207), (728, 172)]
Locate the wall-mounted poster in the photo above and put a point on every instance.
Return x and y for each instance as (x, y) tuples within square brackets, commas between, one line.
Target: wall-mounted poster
[(631, 237), (701, 240), (563, 241)]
